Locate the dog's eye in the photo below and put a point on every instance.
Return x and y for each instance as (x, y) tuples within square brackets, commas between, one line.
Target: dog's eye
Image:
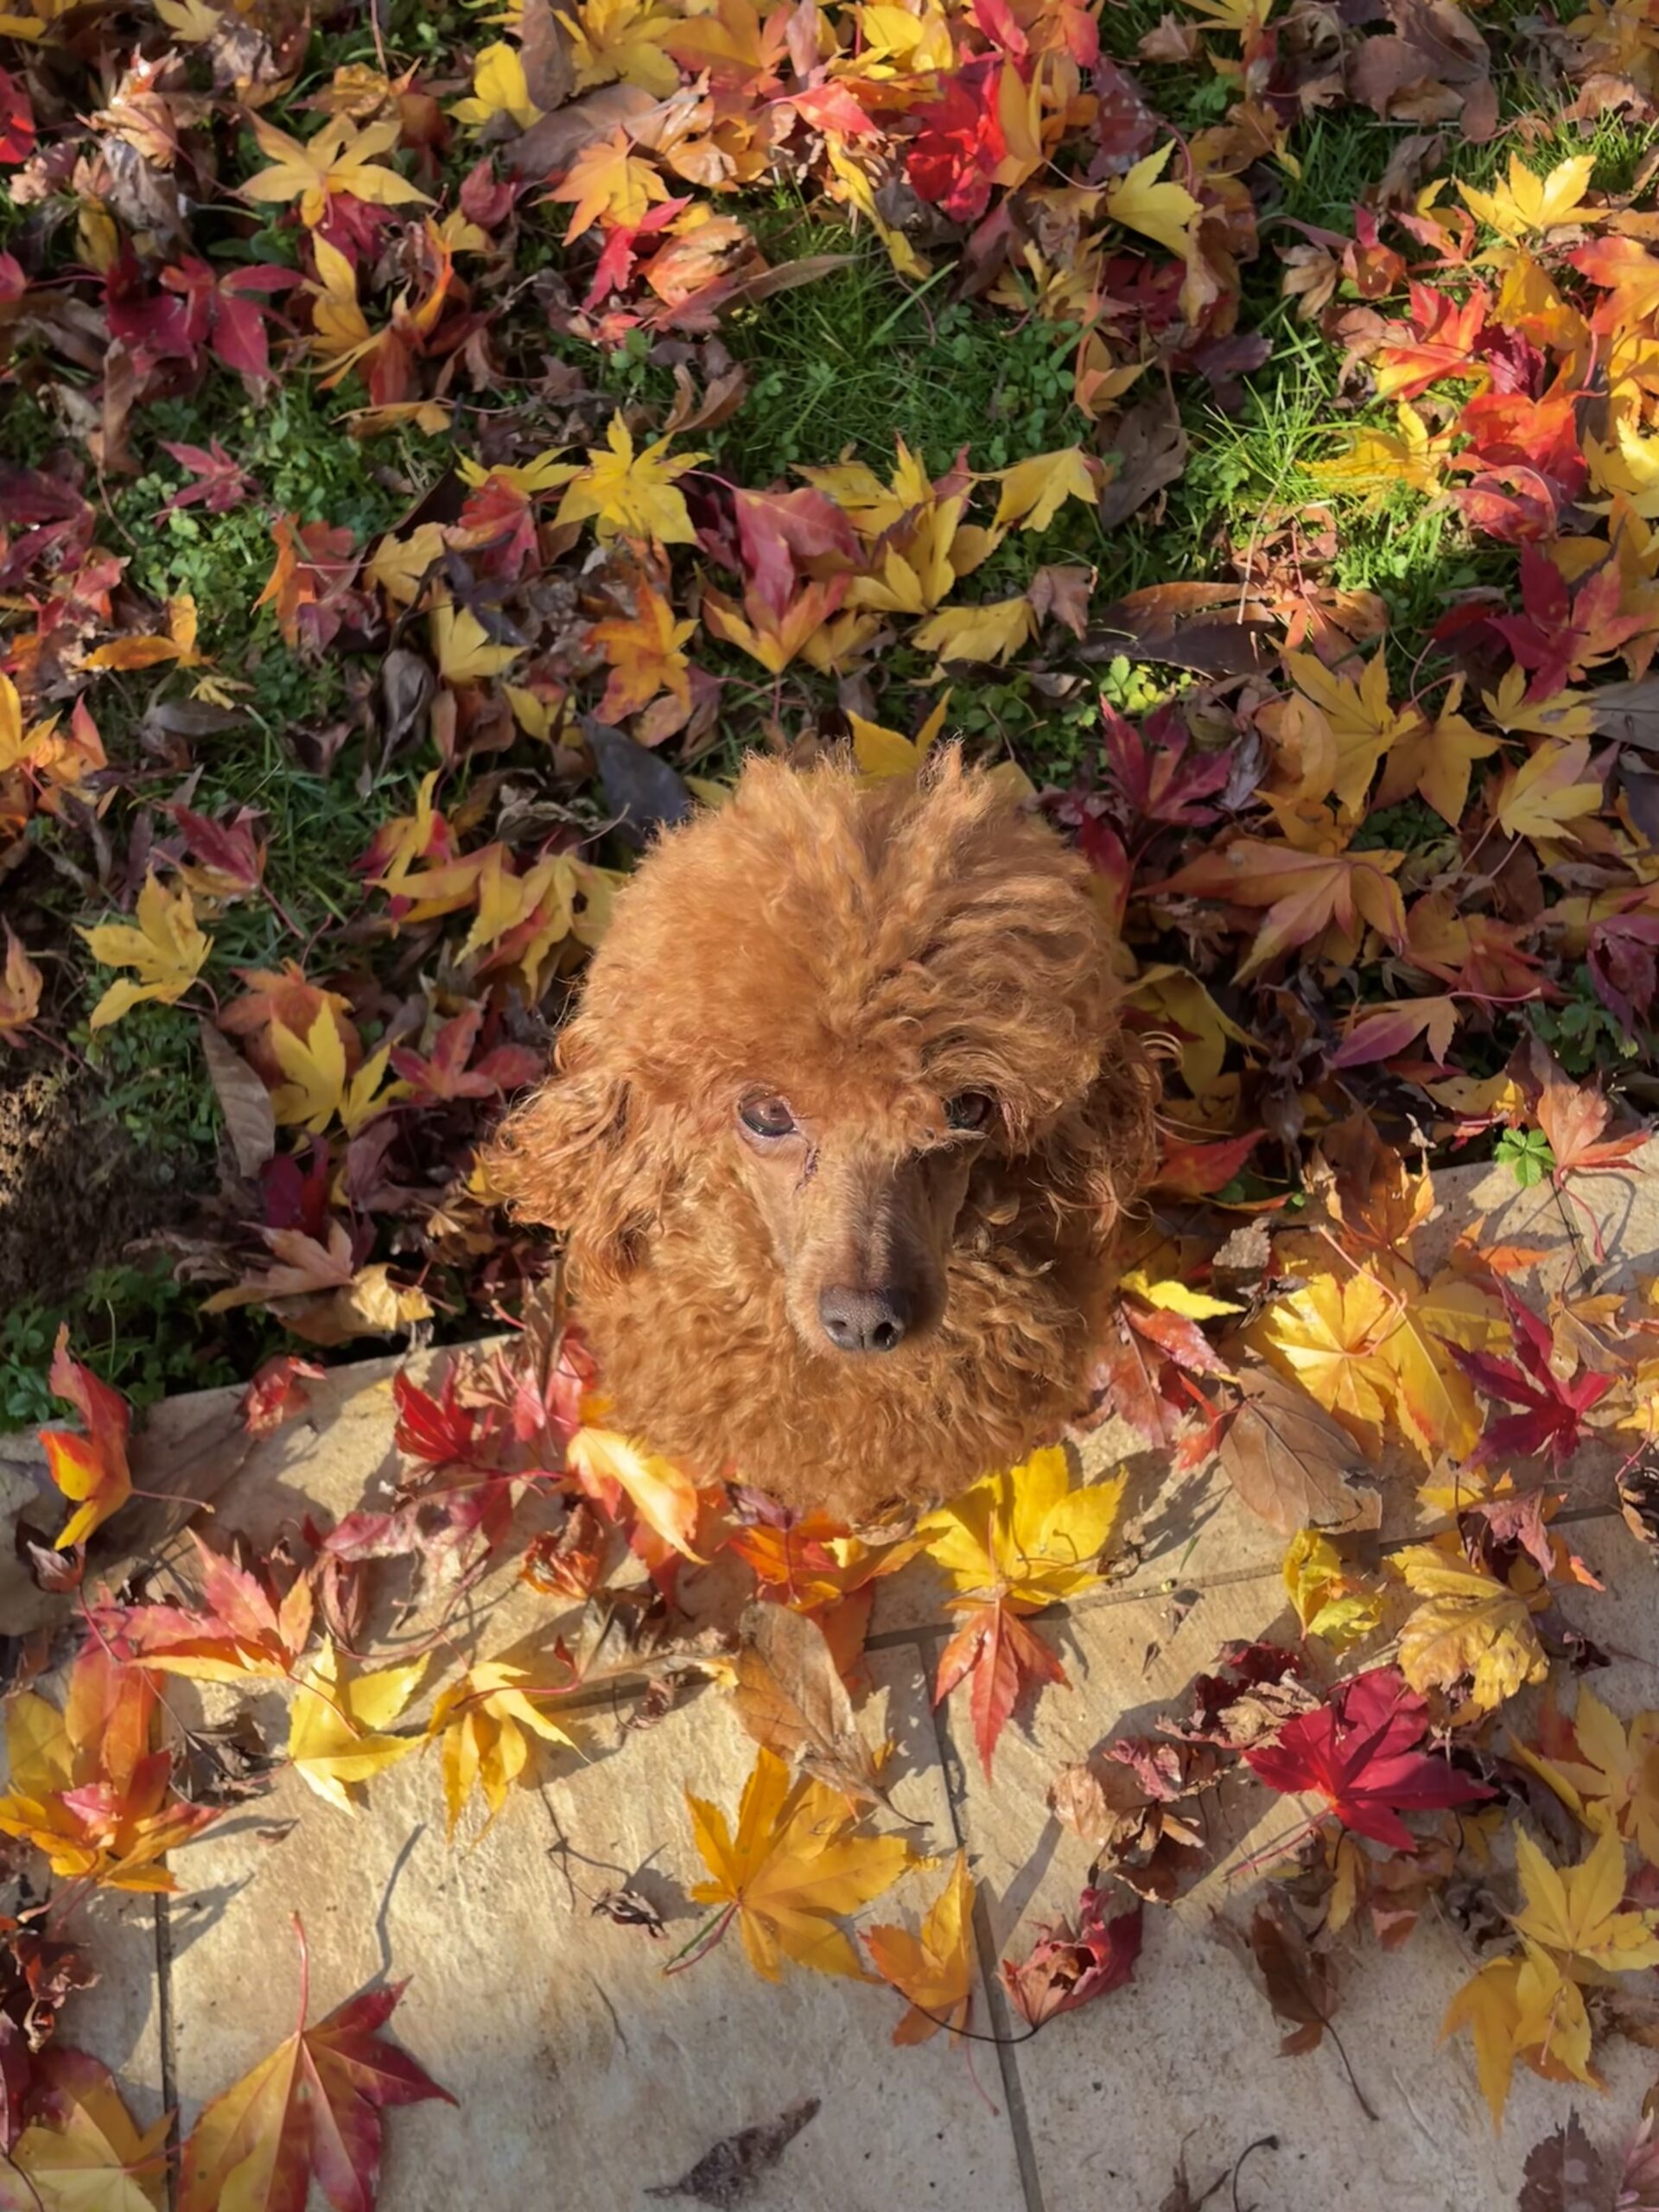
[(766, 1117), (968, 1109)]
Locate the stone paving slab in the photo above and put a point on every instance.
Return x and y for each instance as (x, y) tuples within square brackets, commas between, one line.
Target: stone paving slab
[(583, 2074), (1187, 2055)]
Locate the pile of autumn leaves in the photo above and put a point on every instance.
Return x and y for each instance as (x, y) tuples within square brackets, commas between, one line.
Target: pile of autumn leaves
[(1328, 1338)]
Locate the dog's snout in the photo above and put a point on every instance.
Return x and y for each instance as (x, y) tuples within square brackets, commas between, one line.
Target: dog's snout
[(865, 1320)]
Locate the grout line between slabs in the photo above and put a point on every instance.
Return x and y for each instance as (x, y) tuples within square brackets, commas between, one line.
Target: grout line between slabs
[(167, 2036), (1013, 2094)]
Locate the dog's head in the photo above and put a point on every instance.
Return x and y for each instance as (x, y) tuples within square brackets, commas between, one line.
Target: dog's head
[(852, 1001)]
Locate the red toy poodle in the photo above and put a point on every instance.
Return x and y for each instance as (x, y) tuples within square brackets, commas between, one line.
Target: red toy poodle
[(839, 1135)]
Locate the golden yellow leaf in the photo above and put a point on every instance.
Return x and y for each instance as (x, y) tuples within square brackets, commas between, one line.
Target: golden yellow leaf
[(1469, 1625), (1548, 792), (1527, 202), (1329, 1335), (1173, 1297), (465, 653), (339, 158), (1034, 490), (935, 1968), (1025, 1533), (994, 630), (1163, 212), (87, 2157), (882, 752), (1331, 1601), (166, 948), (1613, 1783), (482, 1719), (498, 88), (663, 1497), (631, 494), (607, 178), (334, 1728), (796, 1862), (621, 40), (318, 1088), (1574, 1911)]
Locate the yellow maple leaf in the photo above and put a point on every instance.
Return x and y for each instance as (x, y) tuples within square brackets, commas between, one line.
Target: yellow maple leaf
[(1433, 1400), (621, 40), (318, 1088), (644, 651), (1528, 202), (1024, 1533), (1436, 759), (1034, 490), (1374, 460), (1574, 1912), (335, 1729), (934, 1968), (796, 1862), (167, 947), (1523, 2008), (463, 647), (1563, 714), (1539, 800), (631, 494), (994, 630), (1471, 1624), (1613, 1781), (87, 2156), (1163, 212), (881, 751), (498, 88), (607, 180), (662, 1494), (482, 1719), (339, 158), (1328, 1335), (1333, 1602), (343, 336), (1363, 724)]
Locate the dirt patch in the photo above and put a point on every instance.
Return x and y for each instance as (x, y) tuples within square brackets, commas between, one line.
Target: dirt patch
[(75, 1191)]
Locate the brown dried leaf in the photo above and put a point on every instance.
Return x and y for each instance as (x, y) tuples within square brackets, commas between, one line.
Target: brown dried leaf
[(791, 1698), (1291, 1464), (732, 2171)]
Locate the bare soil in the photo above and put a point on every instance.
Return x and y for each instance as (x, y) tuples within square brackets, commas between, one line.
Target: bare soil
[(76, 1191)]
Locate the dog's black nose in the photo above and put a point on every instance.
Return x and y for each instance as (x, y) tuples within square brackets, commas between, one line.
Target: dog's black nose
[(865, 1320)]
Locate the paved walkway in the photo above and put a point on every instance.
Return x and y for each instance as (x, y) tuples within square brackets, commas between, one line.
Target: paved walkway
[(584, 2078)]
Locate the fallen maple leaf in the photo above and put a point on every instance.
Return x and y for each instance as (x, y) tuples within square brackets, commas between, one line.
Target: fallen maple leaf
[(338, 159), (333, 1727), (1471, 1625), (1523, 2008), (1552, 1418), (1064, 1970), (87, 1790), (82, 2152), (1331, 1601), (482, 1719), (168, 948), (935, 1968), (20, 990), (1015, 1541), (662, 1494), (631, 494), (1574, 1912), (1528, 202), (1360, 1752), (240, 1630), (91, 1470), (1606, 1776), (318, 1090), (795, 1864), (308, 2112), (1163, 212)]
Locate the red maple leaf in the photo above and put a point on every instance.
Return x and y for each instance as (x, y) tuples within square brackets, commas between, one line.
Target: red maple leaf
[(440, 1430), (1160, 775), (1359, 1751), (1552, 1418), (1005, 1659), (954, 155), (1063, 1970), (1561, 634)]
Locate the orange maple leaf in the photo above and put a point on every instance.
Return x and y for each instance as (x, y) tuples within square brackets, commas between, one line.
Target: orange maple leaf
[(91, 1470)]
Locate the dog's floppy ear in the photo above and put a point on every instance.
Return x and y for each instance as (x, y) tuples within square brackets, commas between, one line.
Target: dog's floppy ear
[(577, 1156), (1103, 1154)]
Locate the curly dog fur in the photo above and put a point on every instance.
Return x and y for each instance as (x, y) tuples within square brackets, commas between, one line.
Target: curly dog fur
[(881, 964)]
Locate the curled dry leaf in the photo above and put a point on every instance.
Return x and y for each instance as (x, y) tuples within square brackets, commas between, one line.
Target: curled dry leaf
[(791, 1697)]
